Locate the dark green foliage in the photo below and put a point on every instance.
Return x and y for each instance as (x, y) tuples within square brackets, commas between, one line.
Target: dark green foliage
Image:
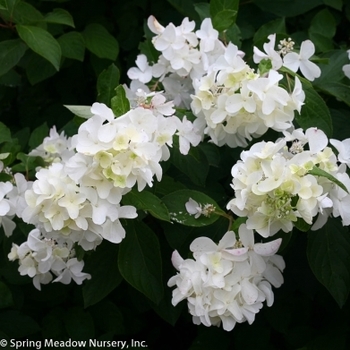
[(75, 52)]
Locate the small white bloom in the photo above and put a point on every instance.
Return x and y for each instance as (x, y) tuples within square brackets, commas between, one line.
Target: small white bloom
[(295, 61)]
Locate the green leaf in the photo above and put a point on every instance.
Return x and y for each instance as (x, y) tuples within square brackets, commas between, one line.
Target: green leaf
[(11, 51), (27, 163), (23, 13), (41, 42), (265, 66), (72, 46), (195, 164), (203, 10), (223, 13), (9, 4), (176, 201), (319, 172), (148, 202), (340, 91), (5, 133), (321, 42), (323, 24), (81, 111), (140, 262), (100, 42), (5, 296), (38, 135), (337, 4), (148, 49), (328, 252), (314, 112), (107, 82), (301, 225), (59, 16), (167, 185), (119, 103), (277, 26), (105, 276), (332, 71), (38, 69)]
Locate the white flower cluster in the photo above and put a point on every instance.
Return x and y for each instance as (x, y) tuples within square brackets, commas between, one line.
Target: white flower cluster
[(54, 148), (227, 283), (76, 198), (185, 56), (274, 183), (40, 257), (233, 104), (11, 200)]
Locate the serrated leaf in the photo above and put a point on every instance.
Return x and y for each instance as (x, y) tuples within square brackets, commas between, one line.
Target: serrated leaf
[(119, 103), (176, 204), (107, 82), (105, 275), (319, 172), (314, 112), (60, 16), (80, 111), (41, 42), (328, 252), (11, 51), (100, 42), (148, 202), (72, 45), (140, 261)]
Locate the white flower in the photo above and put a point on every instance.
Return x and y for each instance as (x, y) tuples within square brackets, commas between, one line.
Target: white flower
[(143, 72), (270, 54), (343, 148), (187, 135), (208, 35), (346, 67), (295, 61)]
